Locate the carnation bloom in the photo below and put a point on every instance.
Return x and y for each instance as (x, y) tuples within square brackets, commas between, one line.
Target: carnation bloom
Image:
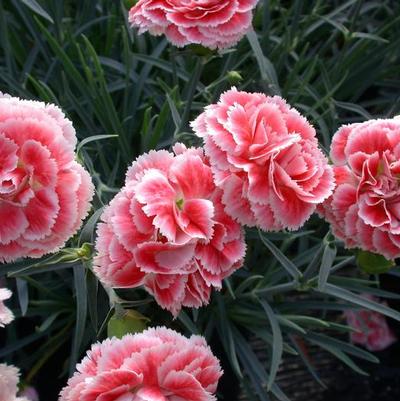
[(364, 210), (9, 378), (373, 331), (211, 23), (265, 157), (167, 230), (156, 365), (6, 316), (44, 192)]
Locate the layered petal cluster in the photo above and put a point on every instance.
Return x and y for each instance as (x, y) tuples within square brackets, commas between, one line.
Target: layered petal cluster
[(364, 210), (265, 157), (156, 365), (372, 330), (211, 23), (44, 192), (9, 379), (167, 230), (6, 316)]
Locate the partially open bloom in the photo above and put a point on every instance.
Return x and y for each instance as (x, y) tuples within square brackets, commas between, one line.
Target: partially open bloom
[(211, 23), (373, 331), (9, 378), (44, 192), (364, 210), (167, 230), (6, 316), (265, 157), (156, 365)]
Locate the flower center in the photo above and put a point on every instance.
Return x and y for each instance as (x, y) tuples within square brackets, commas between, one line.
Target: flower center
[(12, 184), (179, 203), (384, 184)]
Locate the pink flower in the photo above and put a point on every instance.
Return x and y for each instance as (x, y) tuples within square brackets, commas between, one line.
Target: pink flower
[(364, 210), (211, 23), (373, 331), (265, 157), (9, 378), (156, 365), (44, 192), (6, 316), (167, 230)]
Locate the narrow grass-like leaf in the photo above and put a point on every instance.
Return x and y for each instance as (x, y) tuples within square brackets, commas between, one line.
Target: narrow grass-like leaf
[(23, 295), (267, 69), (38, 9), (359, 300), (277, 345), (343, 346), (283, 260), (80, 291), (93, 138), (328, 257)]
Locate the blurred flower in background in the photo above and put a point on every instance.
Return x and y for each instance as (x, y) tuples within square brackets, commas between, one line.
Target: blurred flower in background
[(9, 378), (372, 330), (6, 316), (30, 394)]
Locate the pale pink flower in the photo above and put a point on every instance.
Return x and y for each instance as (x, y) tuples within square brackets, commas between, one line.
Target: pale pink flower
[(9, 378), (364, 210), (211, 23), (265, 157), (44, 192), (373, 331), (6, 316), (167, 230), (156, 365)]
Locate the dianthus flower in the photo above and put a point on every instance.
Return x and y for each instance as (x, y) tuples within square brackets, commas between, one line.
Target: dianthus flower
[(158, 364), (44, 192), (364, 210), (211, 23), (265, 157), (167, 230)]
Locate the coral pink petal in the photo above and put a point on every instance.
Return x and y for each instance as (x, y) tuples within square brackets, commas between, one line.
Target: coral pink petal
[(292, 212), (372, 140), (159, 160), (169, 291), (339, 143), (109, 385), (185, 386), (41, 214), (237, 205), (13, 223), (199, 213), (8, 155), (192, 175), (40, 163), (150, 394), (156, 257)]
